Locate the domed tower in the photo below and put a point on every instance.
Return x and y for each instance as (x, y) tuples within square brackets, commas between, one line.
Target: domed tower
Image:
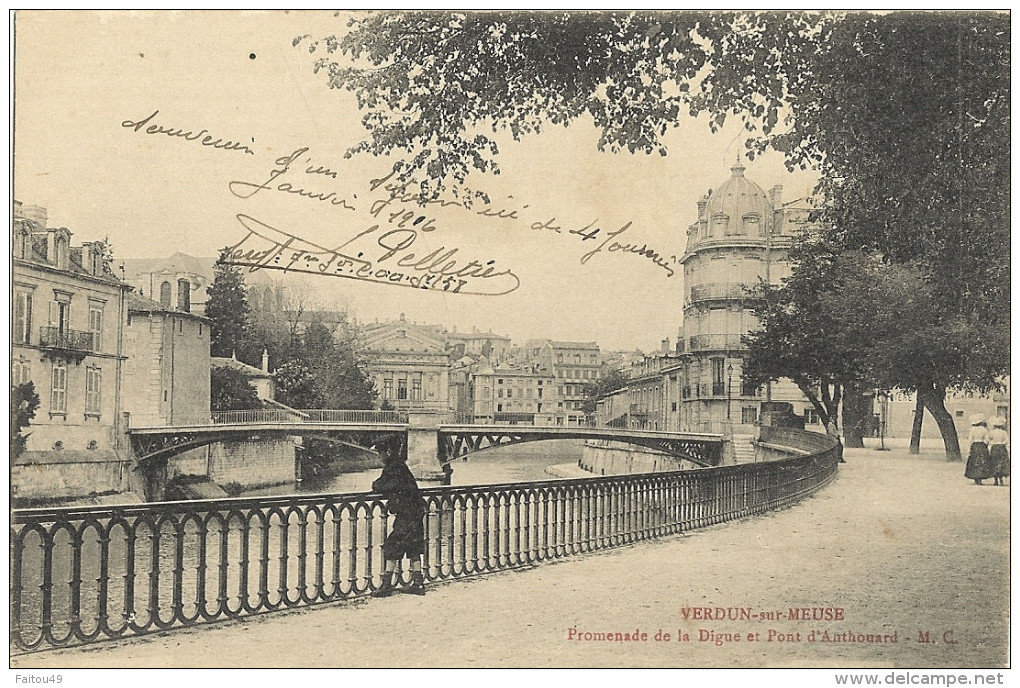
[(737, 241)]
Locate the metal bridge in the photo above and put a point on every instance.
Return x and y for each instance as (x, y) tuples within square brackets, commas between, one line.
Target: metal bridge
[(152, 438)]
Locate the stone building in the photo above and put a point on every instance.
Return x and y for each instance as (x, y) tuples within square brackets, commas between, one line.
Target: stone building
[(166, 374), (742, 235), (572, 364), (180, 282), (410, 366), (67, 326)]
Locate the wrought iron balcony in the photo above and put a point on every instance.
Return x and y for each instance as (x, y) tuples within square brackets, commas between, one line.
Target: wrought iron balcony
[(720, 342), (52, 337), (708, 292)]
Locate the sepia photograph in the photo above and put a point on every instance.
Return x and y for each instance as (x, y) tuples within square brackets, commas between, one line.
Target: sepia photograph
[(448, 339)]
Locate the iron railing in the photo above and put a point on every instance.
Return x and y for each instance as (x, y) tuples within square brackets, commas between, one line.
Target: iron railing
[(266, 416), (52, 336), (85, 574), (720, 342)]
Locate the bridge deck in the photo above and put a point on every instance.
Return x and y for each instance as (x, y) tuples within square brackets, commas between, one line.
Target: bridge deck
[(572, 432), (270, 427)]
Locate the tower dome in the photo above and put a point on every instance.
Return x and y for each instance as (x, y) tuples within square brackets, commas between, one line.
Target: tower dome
[(739, 207)]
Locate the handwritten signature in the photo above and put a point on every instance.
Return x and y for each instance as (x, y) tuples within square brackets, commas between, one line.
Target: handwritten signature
[(267, 248)]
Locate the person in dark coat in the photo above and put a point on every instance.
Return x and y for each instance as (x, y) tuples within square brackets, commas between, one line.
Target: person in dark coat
[(407, 533), (978, 460)]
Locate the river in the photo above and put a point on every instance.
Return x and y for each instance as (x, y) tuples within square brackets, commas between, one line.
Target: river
[(516, 463)]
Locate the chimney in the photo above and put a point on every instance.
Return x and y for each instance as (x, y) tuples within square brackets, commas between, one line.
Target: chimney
[(665, 345), (776, 196), (265, 361), (702, 206)]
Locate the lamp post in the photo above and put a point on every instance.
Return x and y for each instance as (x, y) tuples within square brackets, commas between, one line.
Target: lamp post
[(729, 386)]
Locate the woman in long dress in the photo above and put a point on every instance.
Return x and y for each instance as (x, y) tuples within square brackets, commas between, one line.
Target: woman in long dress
[(979, 460), (998, 449)]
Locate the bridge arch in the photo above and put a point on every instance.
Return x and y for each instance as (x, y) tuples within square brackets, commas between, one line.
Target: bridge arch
[(456, 442)]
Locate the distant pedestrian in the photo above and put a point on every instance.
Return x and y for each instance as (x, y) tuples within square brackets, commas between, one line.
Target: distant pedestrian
[(832, 431), (998, 450), (978, 461), (407, 534)]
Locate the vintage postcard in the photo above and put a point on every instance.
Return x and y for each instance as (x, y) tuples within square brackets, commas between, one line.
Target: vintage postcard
[(511, 339)]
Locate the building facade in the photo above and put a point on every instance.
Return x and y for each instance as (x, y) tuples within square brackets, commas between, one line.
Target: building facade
[(742, 236), (68, 315), (67, 338), (410, 366), (166, 374)]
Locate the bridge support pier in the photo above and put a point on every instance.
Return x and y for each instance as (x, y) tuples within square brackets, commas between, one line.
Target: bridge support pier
[(424, 456)]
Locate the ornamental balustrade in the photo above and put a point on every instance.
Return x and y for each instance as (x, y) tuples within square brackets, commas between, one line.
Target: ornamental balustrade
[(81, 574), (54, 337)]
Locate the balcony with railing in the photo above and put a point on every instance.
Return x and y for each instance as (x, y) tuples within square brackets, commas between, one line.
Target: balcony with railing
[(712, 291), (54, 337), (716, 342)]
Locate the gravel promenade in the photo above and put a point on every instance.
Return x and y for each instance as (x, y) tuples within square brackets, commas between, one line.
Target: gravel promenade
[(898, 549)]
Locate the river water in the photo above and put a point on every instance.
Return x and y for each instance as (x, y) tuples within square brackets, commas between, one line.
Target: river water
[(516, 463)]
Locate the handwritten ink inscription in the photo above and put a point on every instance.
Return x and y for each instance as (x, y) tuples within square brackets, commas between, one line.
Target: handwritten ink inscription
[(245, 190), (188, 135), (402, 216), (265, 247)]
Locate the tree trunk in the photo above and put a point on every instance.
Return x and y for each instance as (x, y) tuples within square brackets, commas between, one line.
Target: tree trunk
[(935, 401), (915, 431), (855, 413)]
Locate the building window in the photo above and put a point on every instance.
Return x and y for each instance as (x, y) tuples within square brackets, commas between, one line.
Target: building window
[(718, 379), (416, 390), (720, 226), (811, 417), (21, 245), (93, 389), (509, 392), (22, 317), (752, 225), (96, 325), (402, 390), (749, 415), (499, 407), (387, 389), (58, 390), (165, 294), (60, 312), (485, 392), (21, 372)]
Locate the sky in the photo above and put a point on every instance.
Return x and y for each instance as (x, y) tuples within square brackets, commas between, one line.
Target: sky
[(89, 86)]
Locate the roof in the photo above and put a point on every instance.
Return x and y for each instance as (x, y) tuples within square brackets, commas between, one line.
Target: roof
[(250, 371), (183, 262), (739, 197), (137, 303)]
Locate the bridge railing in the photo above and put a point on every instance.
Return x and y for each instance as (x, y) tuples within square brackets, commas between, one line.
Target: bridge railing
[(85, 574), (265, 416)]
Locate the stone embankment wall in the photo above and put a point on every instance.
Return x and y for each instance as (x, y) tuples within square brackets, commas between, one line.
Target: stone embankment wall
[(604, 457)]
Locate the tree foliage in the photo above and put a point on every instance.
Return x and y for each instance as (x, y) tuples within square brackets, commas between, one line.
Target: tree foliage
[(904, 115), (607, 384), (228, 309), (24, 403), (230, 390)]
